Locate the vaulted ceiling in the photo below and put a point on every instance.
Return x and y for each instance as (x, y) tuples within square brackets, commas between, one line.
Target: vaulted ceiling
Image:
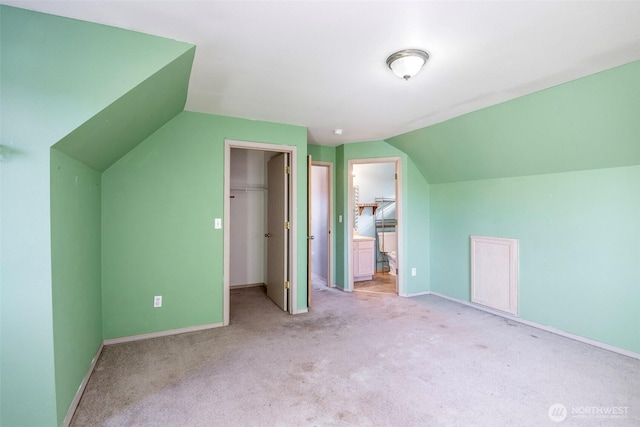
[(322, 64)]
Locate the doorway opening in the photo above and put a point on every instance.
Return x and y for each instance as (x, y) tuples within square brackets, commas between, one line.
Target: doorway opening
[(260, 221), (374, 225), (321, 221)]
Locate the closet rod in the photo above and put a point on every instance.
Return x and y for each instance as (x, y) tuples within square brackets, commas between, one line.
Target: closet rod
[(249, 189)]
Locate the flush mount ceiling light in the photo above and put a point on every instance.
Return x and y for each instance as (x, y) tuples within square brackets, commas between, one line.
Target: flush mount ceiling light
[(407, 63), (338, 131)]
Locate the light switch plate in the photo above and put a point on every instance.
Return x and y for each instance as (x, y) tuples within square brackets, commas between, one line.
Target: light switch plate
[(218, 223)]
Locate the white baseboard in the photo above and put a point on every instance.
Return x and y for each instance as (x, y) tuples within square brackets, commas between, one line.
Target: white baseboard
[(76, 399), (162, 333), (551, 329), (250, 285), (417, 294), (301, 311)]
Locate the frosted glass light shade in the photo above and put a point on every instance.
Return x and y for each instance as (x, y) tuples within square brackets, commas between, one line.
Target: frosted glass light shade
[(407, 63)]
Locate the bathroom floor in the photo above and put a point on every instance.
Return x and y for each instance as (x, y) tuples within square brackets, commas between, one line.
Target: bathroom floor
[(381, 283)]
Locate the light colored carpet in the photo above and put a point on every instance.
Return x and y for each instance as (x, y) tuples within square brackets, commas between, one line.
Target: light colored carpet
[(318, 281), (361, 359)]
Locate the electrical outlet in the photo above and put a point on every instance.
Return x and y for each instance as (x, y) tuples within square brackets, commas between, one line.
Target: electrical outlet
[(157, 301), (413, 271), (339, 218), (218, 223)]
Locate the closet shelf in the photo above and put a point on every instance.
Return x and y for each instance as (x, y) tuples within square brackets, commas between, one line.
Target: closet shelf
[(246, 190), (250, 189)]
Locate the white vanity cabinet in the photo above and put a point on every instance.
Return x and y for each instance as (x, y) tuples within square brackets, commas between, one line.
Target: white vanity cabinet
[(364, 263)]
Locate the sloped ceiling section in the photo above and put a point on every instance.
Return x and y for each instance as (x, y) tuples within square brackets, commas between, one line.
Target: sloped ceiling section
[(117, 129), (321, 64), (60, 75), (589, 123)]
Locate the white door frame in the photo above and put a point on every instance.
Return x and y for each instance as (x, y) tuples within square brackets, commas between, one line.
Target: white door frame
[(293, 236), (399, 211), (329, 167)]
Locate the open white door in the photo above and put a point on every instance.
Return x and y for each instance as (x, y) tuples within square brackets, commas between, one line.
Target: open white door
[(309, 233), (320, 195), (278, 226)]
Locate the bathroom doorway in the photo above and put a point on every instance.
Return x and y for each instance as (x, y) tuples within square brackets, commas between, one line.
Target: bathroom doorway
[(374, 225)]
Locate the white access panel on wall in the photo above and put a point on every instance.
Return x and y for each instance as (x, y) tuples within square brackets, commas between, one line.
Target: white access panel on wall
[(494, 273)]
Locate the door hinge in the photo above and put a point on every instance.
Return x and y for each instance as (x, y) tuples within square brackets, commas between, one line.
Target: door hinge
[(287, 225), (287, 284), (287, 169), (395, 175)]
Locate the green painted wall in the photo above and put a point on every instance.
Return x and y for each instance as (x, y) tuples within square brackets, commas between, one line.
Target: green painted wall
[(322, 153), (579, 235), (27, 381), (159, 202), (57, 73), (590, 123), (76, 273), (418, 230), (513, 170), (415, 213)]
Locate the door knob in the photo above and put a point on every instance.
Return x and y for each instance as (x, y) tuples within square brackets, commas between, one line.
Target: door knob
[(267, 235), (310, 238)]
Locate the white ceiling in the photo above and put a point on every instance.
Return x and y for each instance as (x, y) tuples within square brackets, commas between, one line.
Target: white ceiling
[(321, 64)]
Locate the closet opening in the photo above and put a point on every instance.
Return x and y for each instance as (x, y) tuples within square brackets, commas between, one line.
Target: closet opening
[(260, 222)]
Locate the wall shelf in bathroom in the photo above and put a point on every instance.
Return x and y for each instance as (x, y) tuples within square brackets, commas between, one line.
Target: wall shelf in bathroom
[(361, 206)]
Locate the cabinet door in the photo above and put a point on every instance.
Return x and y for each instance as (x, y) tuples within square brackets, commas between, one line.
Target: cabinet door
[(366, 259)]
